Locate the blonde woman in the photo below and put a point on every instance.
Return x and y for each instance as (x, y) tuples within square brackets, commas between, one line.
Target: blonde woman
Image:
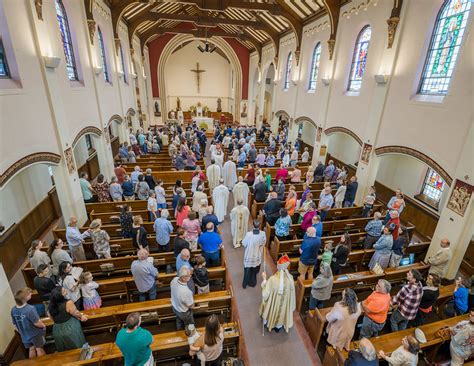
[(100, 239)]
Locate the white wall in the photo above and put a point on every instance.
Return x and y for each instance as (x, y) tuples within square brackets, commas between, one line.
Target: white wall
[(344, 148), (23, 192), (80, 151), (181, 82), (6, 303), (308, 134)]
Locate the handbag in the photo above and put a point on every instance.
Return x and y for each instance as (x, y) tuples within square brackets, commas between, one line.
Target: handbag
[(378, 270)]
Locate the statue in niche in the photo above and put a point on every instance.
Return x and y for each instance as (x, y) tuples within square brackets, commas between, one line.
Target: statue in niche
[(219, 105), (244, 110), (157, 109), (178, 104)]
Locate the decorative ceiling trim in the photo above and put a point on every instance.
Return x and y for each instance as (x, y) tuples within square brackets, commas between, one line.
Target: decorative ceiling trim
[(331, 130), (89, 129), (116, 118), (35, 158), (403, 150), (305, 119)]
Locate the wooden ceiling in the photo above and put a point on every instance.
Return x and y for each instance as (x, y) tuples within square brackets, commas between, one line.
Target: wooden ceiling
[(254, 23)]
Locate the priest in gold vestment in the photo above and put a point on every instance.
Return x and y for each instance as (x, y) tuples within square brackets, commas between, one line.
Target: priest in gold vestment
[(239, 223), (278, 297)]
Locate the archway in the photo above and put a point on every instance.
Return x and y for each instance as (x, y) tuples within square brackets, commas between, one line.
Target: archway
[(343, 145), (268, 79), (178, 40), (305, 129), (86, 156)]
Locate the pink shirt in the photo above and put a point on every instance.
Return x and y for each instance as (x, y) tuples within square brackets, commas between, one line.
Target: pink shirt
[(296, 176), (180, 216), (192, 228), (281, 173)]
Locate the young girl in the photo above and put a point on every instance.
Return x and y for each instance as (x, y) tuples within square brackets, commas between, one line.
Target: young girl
[(90, 296), (192, 229), (327, 255), (201, 275), (152, 206)]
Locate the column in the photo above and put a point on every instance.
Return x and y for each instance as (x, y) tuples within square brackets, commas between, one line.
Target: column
[(104, 155), (457, 227), (320, 148)]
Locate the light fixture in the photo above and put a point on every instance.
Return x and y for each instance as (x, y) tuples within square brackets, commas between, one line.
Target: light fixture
[(208, 47), (51, 62), (97, 70), (134, 76), (326, 81), (381, 79), (121, 74)]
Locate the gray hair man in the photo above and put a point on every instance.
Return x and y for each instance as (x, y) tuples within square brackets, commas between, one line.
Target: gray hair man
[(145, 275), (182, 298), (376, 308), (75, 240)]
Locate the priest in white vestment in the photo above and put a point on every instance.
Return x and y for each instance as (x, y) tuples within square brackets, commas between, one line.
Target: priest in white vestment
[(229, 173), (278, 297), (198, 197), (213, 173), (220, 197), (239, 223), (218, 157), (241, 191)]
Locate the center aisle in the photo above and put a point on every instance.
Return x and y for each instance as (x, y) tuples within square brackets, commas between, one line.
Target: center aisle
[(273, 348)]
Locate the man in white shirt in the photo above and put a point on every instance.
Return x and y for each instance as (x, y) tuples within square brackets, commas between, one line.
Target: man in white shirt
[(220, 197), (229, 173), (439, 261), (182, 298), (253, 243), (213, 173)]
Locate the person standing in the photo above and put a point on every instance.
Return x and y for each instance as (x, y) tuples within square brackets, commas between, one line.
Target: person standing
[(182, 298), (115, 190), (139, 234), (198, 197), (321, 287), (376, 308), (145, 275), (87, 190), (213, 173), (210, 243), (209, 217), (342, 320), (439, 261), (100, 239), (163, 229), (326, 201), (461, 346), (37, 256), (229, 173), (253, 242), (407, 301), (211, 342), (220, 198), (383, 249), (58, 255), (126, 221), (43, 284), (278, 297), (241, 191), (430, 295), (366, 355), (374, 230), (309, 251), (75, 240), (183, 259), (180, 242), (27, 322), (134, 342), (351, 191), (260, 192), (405, 355), (239, 217)]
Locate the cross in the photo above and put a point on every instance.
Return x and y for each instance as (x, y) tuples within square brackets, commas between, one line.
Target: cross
[(198, 74)]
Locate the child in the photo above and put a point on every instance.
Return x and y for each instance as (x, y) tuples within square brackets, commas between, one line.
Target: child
[(152, 206), (327, 255), (201, 276), (90, 296), (369, 202), (193, 335)]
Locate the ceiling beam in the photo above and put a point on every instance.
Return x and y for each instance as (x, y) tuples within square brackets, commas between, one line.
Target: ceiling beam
[(393, 21), (295, 23), (220, 5), (333, 7)]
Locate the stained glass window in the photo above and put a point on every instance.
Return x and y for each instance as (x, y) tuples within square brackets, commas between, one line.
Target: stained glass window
[(444, 47), (433, 185), (103, 58), (359, 59), (67, 42), (313, 76), (4, 71), (124, 69), (289, 61)]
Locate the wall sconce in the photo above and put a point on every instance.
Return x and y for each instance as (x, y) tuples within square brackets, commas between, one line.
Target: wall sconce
[(121, 74), (51, 62), (381, 79), (134, 76), (326, 81), (97, 70), (294, 81)]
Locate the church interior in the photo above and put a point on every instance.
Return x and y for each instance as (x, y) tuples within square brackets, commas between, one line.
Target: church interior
[(315, 155)]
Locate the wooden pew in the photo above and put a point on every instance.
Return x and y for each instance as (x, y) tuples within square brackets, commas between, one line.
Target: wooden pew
[(112, 318), (124, 287), (389, 342), (358, 281), (315, 321), (165, 346)]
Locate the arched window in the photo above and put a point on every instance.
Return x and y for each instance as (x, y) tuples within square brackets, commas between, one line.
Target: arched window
[(433, 186), (67, 41), (288, 71), (359, 59), (103, 58), (444, 47), (313, 75), (124, 69), (4, 71)]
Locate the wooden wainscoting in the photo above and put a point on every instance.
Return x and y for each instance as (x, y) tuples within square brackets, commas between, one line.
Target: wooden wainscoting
[(467, 265), (114, 145), (14, 243), (91, 166), (310, 149)]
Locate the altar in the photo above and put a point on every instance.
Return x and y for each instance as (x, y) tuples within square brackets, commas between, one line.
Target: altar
[(208, 121)]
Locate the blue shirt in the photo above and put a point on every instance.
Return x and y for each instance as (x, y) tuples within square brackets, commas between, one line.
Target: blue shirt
[(23, 319), (181, 262), (282, 226), (209, 242), (319, 229), (461, 296), (163, 228), (242, 157), (374, 228), (135, 346), (123, 153), (310, 250), (134, 176), (326, 200), (144, 274), (128, 188), (141, 139), (74, 237)]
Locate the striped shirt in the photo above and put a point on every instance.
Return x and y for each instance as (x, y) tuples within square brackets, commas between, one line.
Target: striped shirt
[(408, 299)]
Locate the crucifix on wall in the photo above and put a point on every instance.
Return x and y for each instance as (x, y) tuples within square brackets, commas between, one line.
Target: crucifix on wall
[(198, 72)]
